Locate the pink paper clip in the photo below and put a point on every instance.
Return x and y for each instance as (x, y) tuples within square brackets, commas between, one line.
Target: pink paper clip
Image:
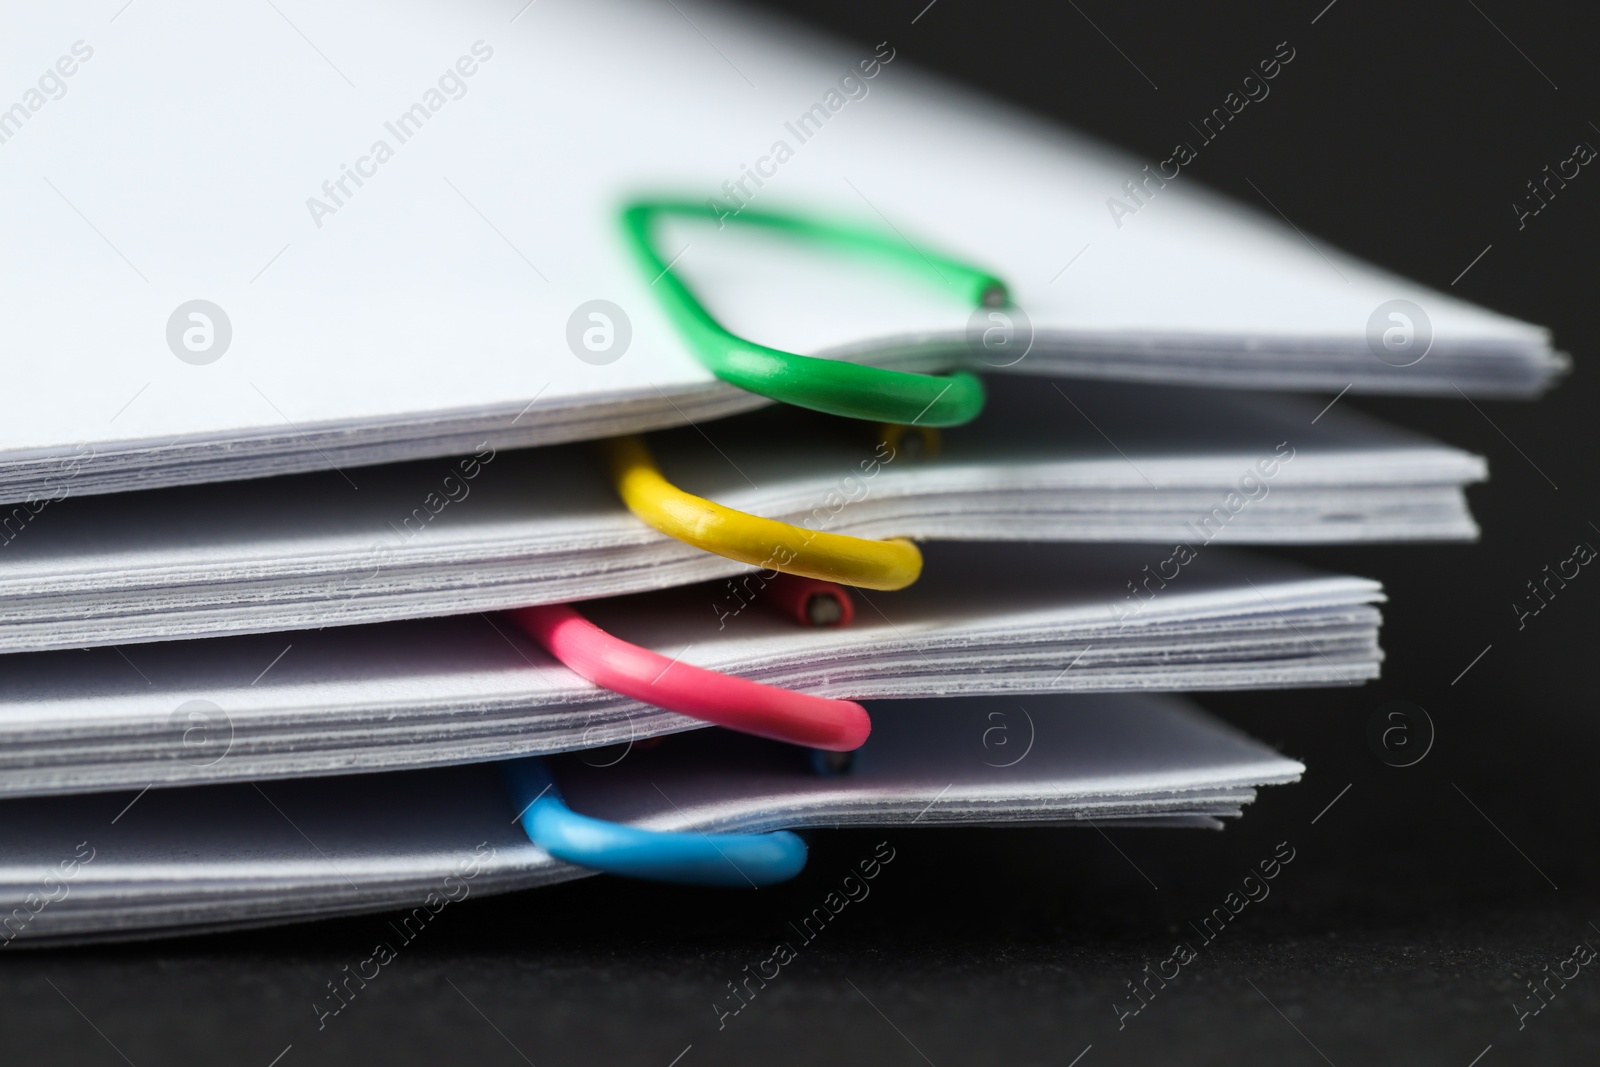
[(725, 700)]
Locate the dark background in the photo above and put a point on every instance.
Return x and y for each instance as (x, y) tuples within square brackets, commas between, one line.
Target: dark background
[(1417, 905)]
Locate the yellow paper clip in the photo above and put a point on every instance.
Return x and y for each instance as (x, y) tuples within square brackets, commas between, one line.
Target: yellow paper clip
[(765, 543)]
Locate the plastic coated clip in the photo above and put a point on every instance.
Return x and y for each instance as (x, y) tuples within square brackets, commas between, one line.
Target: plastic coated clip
[(689, 857), (723, 699), (766, 543), (837, 387)]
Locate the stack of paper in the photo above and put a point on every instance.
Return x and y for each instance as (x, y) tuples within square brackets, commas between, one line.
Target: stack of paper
[(274, 479), (394, 274), (446, 690), (220, 856), (1048, 462)]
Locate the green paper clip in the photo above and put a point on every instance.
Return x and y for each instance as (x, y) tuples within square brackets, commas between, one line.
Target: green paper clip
[(833, 386)]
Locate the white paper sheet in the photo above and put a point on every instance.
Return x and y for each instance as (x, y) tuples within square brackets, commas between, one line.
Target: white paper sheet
[(184, 860), (1021, 621), (1051, 461), (426, 307)]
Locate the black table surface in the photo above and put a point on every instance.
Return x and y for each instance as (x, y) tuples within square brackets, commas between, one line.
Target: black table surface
[(1421, 900)]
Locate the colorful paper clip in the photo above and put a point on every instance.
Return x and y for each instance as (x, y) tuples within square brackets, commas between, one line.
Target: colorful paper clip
[(765, 543), (834, 386), (725, 700), (689, 857), (808, 601)]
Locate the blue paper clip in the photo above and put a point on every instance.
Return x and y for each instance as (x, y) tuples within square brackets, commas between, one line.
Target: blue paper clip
[(689, 857)]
